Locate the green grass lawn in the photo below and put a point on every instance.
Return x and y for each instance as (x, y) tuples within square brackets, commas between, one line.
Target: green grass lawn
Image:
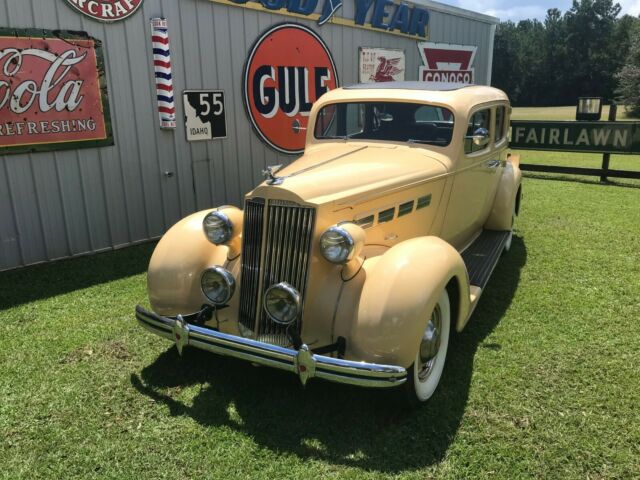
[(566, 159), (544, 382)]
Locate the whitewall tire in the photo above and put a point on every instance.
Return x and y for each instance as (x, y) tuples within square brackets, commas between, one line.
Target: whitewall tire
[(507, 244), (424, 375)]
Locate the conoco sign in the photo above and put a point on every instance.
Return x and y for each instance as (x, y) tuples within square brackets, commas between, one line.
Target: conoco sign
[(53, 93), (106, 10), (447, 63), (288, 69)]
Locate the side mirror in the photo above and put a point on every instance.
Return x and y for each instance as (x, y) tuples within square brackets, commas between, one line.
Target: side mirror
[(480, 137)]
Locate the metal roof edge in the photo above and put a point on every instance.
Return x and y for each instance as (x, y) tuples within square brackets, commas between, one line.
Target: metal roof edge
[(457, 11)]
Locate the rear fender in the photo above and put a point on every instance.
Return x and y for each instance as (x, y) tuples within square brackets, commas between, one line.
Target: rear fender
[(399, 293), (504, 203)]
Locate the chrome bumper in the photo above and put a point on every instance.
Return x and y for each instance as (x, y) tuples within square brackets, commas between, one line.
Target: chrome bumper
[(301, 362)]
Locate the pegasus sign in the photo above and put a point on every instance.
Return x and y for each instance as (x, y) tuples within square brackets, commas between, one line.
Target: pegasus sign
[(447, 63), (381, 65)]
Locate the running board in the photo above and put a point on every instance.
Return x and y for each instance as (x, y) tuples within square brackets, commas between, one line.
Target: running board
[(482, 256)]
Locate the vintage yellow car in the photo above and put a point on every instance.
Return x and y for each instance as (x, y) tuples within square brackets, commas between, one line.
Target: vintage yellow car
[(356, 262)]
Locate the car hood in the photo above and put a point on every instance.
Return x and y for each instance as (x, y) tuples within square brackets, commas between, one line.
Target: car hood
[(352, 173)]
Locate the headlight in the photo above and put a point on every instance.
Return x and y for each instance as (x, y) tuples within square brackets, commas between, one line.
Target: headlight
[(217, 227), (336, 245), (282, 303), (218, 285)]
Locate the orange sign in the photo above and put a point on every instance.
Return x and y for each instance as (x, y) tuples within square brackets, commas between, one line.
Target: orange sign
[(288, 69), (50, 93)]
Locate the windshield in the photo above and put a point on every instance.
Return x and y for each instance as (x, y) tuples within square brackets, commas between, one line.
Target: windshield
[(391, 121)]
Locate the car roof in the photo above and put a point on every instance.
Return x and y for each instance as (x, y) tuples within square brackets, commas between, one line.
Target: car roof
[(407, 85), (460, 98)]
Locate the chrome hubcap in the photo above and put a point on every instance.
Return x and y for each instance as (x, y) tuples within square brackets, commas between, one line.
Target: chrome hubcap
[(430, 344)]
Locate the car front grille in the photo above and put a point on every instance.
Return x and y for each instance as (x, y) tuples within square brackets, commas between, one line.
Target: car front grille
[(286, 229)]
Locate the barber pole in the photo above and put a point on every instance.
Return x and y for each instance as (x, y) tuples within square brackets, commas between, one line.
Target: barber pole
[(162, 67)]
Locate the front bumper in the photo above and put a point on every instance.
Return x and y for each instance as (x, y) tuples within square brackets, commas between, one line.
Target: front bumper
[(302, 362)]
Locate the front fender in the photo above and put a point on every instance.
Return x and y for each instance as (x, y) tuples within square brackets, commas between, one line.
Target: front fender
[(173, 279), (401, 288)]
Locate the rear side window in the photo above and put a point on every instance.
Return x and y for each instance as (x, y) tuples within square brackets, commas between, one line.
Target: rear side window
[(500, 123), (479, 120)]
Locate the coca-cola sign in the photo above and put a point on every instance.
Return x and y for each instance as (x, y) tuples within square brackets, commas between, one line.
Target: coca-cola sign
[(106, 10), (52, 92)]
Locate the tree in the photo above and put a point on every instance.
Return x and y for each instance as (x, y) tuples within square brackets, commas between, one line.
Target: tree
[(629, 76), (506, 72), (568, 56), (592, 60)]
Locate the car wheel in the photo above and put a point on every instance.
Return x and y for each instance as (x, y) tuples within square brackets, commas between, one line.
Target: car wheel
[(424, 375)]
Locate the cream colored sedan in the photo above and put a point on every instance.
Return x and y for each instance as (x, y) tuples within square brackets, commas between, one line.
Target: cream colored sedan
[(358, 261)]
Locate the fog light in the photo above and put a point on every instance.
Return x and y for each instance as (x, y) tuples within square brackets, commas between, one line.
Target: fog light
[(218, 285), (282, 303)]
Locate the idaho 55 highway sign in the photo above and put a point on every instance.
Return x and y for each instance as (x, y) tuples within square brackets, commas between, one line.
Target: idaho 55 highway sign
[(204, 112)]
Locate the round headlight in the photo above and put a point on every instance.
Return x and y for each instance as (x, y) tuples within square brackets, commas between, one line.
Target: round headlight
[(282, 303), (336, 245), (218, 285), (217, 227)]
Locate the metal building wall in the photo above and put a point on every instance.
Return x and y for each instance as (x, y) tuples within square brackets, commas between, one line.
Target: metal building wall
[(55, 205)]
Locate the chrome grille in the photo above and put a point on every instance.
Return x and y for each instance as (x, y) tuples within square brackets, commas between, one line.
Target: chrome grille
[(289, 231), (251, 253)]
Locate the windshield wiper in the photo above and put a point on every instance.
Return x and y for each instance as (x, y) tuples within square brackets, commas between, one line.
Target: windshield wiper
[(428, 142), (335, 137)]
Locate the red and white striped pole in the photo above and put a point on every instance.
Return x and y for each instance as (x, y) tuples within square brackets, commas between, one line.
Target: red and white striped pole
[(163, 74)]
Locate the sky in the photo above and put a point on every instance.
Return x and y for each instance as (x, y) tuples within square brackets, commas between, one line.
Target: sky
[(521, 9)]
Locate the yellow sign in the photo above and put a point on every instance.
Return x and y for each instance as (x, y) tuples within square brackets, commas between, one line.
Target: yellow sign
[(373, 15)]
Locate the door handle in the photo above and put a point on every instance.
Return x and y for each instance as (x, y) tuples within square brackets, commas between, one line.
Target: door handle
[(493, 163)]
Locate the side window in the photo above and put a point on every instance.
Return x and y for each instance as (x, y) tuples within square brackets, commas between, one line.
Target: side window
[(478, 120), (500, 123)]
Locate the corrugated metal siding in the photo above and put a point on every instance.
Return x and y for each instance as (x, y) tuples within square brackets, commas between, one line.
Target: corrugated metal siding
[(55, 205)]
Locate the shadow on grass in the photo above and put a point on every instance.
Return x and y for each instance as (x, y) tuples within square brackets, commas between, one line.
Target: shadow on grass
[(48, 280), (334, 423), (559, 177)]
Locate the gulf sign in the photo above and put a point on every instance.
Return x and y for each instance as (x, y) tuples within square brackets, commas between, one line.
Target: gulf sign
[(288, 68), (106, 10), (52, 92), (447, 63)]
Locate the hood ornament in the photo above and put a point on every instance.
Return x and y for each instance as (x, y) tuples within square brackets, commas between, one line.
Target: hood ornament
[(270, 175)]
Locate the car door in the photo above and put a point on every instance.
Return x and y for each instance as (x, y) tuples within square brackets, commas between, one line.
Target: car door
[(473, 182), (493, 165)]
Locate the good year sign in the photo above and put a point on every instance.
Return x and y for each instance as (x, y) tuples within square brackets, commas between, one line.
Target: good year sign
[(52, 92)]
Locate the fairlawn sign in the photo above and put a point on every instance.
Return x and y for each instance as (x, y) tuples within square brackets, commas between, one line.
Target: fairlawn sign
[(52, 91), (289, 68), (447, 63), (106, 10), (596, 137)]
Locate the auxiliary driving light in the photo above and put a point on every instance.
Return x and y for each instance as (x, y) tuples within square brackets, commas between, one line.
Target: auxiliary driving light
[(282, 303), (218, 285)]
